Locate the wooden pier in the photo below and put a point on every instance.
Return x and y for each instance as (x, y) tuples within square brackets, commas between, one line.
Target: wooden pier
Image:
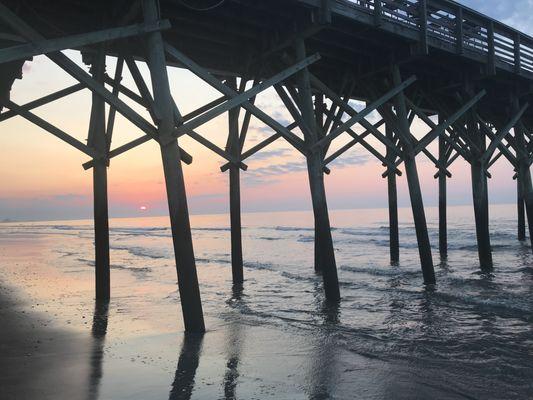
[(467, 77)]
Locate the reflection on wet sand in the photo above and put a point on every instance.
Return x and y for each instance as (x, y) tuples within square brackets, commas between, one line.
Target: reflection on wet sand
[(322, 368), (99, 330), (183, 384), (234, 345)]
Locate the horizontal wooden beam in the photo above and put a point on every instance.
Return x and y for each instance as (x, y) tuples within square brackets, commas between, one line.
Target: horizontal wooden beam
[(185, 156), (38, 47)]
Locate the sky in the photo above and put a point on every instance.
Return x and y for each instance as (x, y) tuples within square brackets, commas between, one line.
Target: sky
[(41, 177)]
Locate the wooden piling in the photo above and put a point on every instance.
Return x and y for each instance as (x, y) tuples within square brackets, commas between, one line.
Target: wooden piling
[(480, 198), (324, 240), (413, 182), (97, 139), (524, 174), (443, 227), (479, 193), (177, 199), (319, 123), (235, 193), (527, 189), (521, 211), (394, 237)]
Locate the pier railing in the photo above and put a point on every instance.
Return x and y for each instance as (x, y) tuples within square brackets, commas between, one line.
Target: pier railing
[(456, 28)]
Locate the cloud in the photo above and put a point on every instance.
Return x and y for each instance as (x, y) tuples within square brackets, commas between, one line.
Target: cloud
[(269, 154), (349, 160), (273, 173), (516, 13)]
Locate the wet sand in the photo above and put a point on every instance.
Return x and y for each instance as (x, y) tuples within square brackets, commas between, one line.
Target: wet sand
[(233, 361), (38, 361)]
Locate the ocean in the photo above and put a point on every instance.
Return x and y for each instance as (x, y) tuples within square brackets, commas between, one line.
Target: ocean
[(469, 337)]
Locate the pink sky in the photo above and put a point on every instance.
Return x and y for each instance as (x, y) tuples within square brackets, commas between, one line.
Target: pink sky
[(41, 177)]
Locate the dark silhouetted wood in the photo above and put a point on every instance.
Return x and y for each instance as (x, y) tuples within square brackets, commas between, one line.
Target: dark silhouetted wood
[(521, 211), (235, 193), (394, 236), (177, 200), (443, 227), (98, 140), (480, 197), (324, 242), (411, 171)]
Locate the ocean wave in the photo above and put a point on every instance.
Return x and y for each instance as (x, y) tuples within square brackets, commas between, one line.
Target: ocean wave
[(201, 260), (139, 272), (526, 270), (270, 238), (306, 238), (139, 251), (515, 306), (221, 229), (379, 271), (290, 228)]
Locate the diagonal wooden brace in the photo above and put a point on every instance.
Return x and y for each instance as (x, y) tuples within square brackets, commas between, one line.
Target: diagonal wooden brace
[(448, 123), (360, 139), (260, 146), (53, 130), (497, 157), (203, 74), (350, 111), (43, 100), (242, 99), (350, 144), (510, 156), (500, 135), (439, 130), (210, 145), (69, 66), (361, 115)]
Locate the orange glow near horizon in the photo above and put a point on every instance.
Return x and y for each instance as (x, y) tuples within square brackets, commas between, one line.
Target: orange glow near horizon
[(35, 165)]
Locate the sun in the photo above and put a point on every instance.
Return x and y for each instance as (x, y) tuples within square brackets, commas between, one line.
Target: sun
[(143, 208)]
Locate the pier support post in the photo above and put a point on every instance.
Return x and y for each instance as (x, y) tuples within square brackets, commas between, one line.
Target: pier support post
[(394, 237), (527, 190), (481, 212), (235, 193), (323, 238), (524, 175), (413, 182), (97, 139), (480, 198), (521, 211), (443, 223), (177, 200)]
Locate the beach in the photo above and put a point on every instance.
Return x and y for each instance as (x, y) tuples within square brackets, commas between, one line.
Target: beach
[(276, 338)]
